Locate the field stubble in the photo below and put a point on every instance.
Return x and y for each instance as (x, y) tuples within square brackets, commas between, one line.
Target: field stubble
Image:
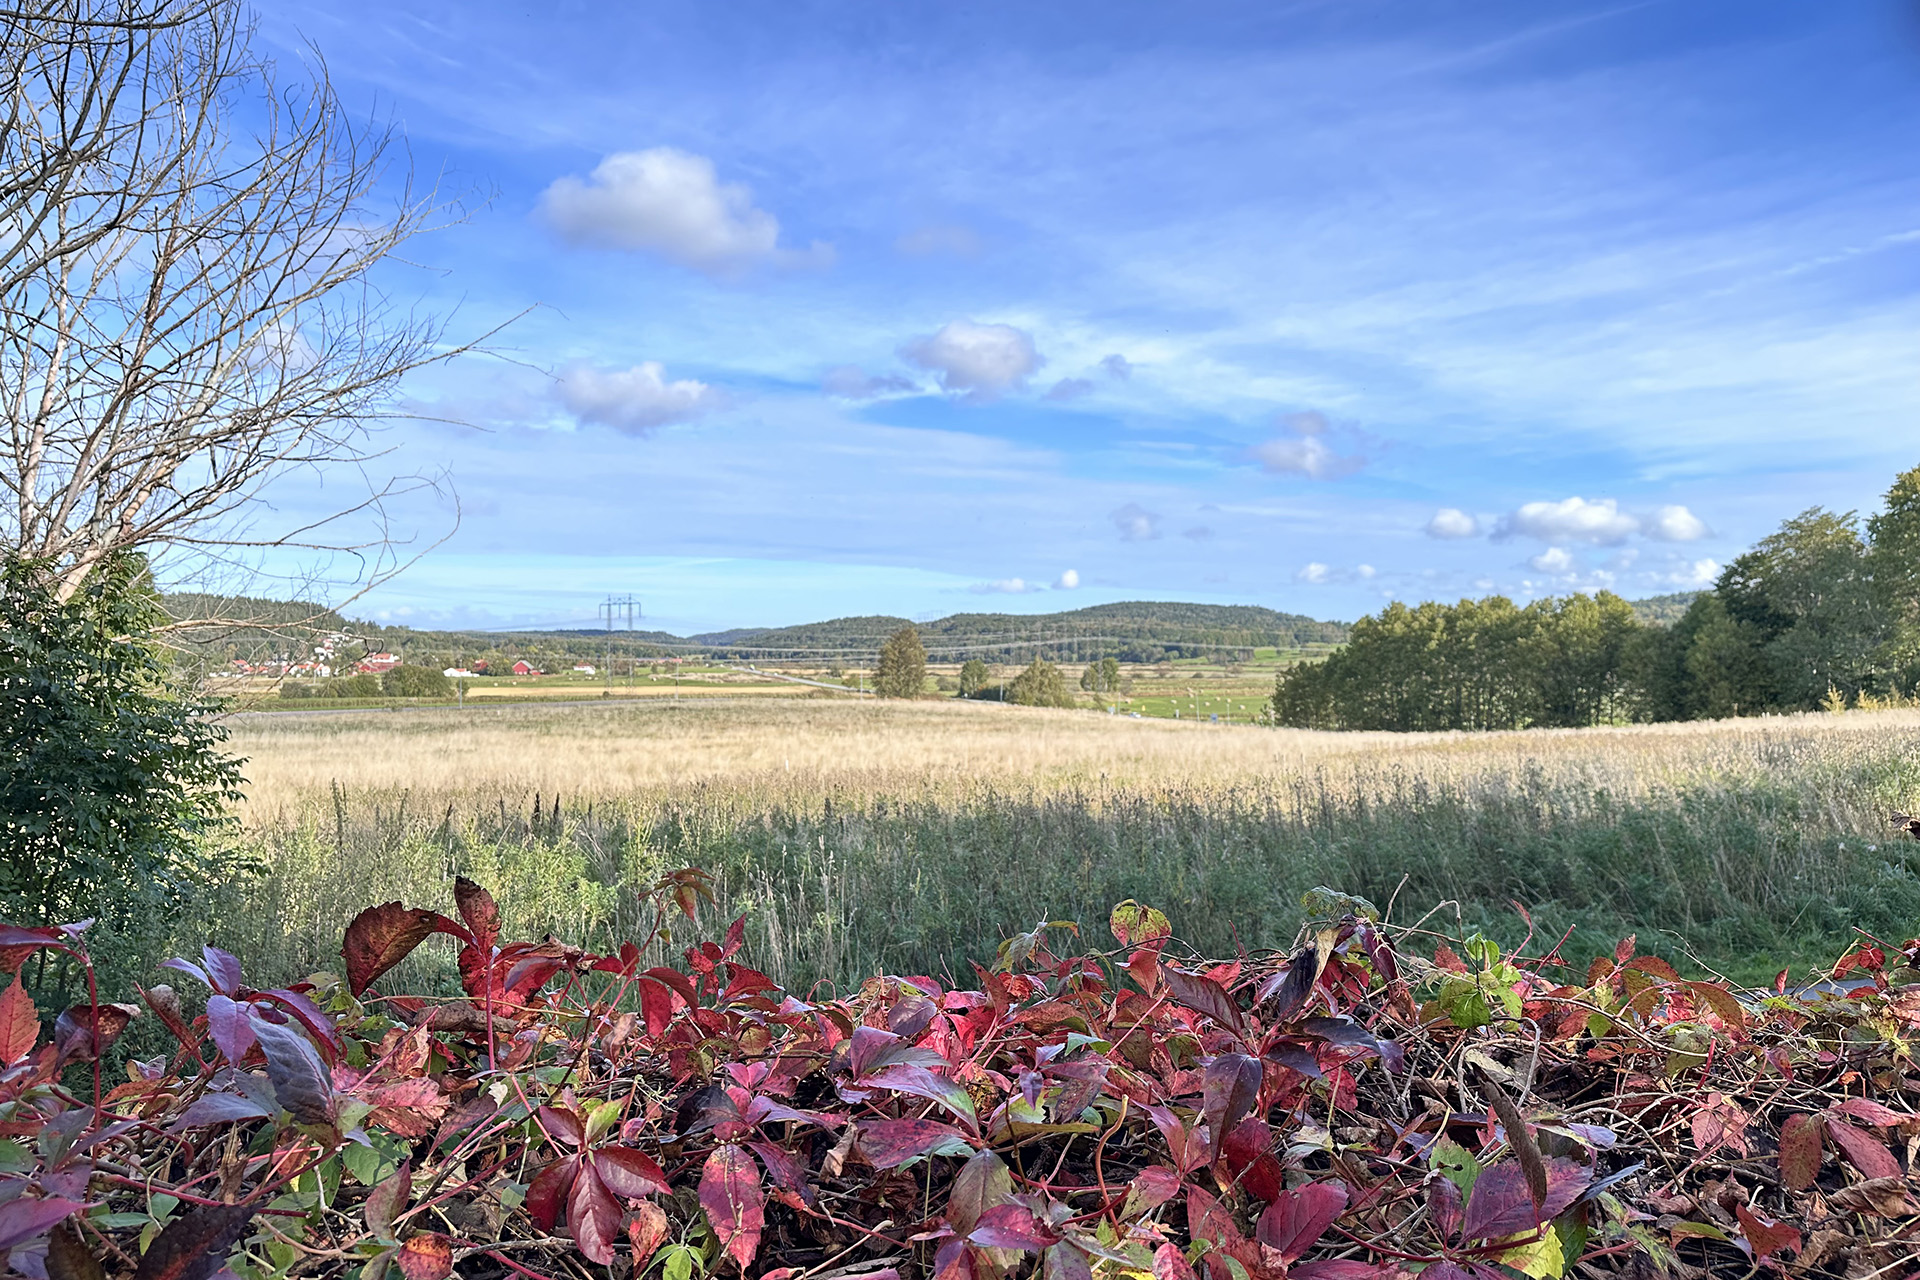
[(862, 838)]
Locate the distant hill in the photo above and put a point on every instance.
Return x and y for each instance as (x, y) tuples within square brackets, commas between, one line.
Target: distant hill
[(1664, 611), (1133, 631)]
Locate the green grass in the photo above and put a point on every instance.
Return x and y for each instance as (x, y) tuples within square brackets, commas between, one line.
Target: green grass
[(1755, 861)]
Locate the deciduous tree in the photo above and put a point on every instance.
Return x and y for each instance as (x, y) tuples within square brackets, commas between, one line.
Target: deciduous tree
[(902, 669)]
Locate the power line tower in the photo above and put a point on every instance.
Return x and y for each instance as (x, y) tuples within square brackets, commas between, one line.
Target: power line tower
[(611, 608)]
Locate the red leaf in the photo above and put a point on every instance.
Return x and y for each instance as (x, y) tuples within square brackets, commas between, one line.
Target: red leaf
[(736, 1206), (1064, 1261), (1152, 1187), (84, 1033), (1800, 1151), (1202, 995), (1502, 1203), (408, 1108), (19, 1024), (593, 1216), (223, 968), (562, 1126), (891, 1143), (195, 1245), (1293, 1222), (1171, 1264), (23, 1219), (1721, 1001), (1869, 1155), (1349, 1269), (983, 1182), (385, 1201), (1144, 967), (218, 1108), (427, 1255), (381, 937), (1871, 1112), (479, 910), (1764, 1239), (645, 1230), (1232, 1084), (953, 1261), (1623, 950), (629, 1173), (681, 984), (1010, 1226), (549, 1191), (656, 1005)]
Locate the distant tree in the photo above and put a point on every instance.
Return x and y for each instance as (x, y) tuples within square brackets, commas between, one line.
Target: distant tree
[(973, 677), (902, 670), (1893, 563), (1040, 685), (363, 684), (1102, 676), (1805, 596), (415, 682)]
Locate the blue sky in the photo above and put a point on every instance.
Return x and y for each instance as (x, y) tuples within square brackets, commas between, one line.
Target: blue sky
[(913, 309)]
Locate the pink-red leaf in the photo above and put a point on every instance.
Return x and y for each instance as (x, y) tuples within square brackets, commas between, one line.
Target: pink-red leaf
[(593, 1216), (381, 937), (1010, 1226), (1293, 1222), (231, 1029), (1152, 1187), (1502, 1203), (1171, 1264), (730, 1192), (1868, 1154), (629, 1173), (1203, 995), (1800, 1151), (645, 1230), (24, 1218), (427, 1255), (891, 1143), (1870, 1111), (1764, 1238), (549, 1191), (562, 1126)]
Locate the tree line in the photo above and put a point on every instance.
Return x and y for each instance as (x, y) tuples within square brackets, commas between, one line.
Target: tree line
[(1825, 612)]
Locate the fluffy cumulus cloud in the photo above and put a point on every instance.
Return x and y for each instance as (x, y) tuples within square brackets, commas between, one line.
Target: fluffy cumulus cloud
[(1574, 520), (1135, 523), (634, 400), (1067, 581), (980, 361), (671, 203), (1676, 524), (850, 382), (1554, 560), (1452, 522), (1314, 571), (1302, 450), (1696, 576)]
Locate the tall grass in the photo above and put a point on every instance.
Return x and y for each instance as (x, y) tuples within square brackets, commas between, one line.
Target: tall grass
[(1755, 844)]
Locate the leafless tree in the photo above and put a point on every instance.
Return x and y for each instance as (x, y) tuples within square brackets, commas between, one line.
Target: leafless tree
[(188, 302)]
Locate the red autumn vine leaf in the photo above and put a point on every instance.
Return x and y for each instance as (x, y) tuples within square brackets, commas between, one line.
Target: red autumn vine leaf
[(1135, 926), (1502, 1203), (1868, 1154), (19, 1024), (1292, 1223), (427, 1255), (646, 1228), (1800, 1151), (1203, 995), (1231, 1084), (1171, 1264), (593, 1216), (548, 1191), (730, 1192), (629, 1173), (1762, 1238), (1152, 1187), (381, 937), (479, 910), (195, 1245), (891, 1143)]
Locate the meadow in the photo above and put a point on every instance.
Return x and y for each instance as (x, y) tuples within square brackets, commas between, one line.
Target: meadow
[(862, 837)]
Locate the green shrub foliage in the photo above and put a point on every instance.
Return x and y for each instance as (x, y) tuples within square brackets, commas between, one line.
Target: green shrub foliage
[(902, 670), (113, 786), (415, 682)]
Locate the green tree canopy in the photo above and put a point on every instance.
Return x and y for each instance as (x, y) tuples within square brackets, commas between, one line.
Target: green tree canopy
[(113, 786), (902, 670), (1040, 685), (973, 677), (406, 681)]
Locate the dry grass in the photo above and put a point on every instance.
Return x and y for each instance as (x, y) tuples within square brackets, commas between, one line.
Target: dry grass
[(932, 748)]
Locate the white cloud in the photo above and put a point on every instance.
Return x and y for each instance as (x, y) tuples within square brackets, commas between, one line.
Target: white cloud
[(981, 360), (1069, 389), (924, 242), (1005, 587), (1068, 580), (1451, 522), (1554, 560), (1676, 524), (1314, 572), (851, 382), (1135, 523), (1574, 520), (634, 400), (1302, 452), (1700, 574), (667, 202), (1366, 571), (1117, 367)]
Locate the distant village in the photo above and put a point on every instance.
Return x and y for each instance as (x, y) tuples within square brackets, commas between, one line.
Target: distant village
[(339, 653)]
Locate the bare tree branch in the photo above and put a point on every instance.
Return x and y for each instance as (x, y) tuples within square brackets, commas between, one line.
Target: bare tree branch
[(187, 302)]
